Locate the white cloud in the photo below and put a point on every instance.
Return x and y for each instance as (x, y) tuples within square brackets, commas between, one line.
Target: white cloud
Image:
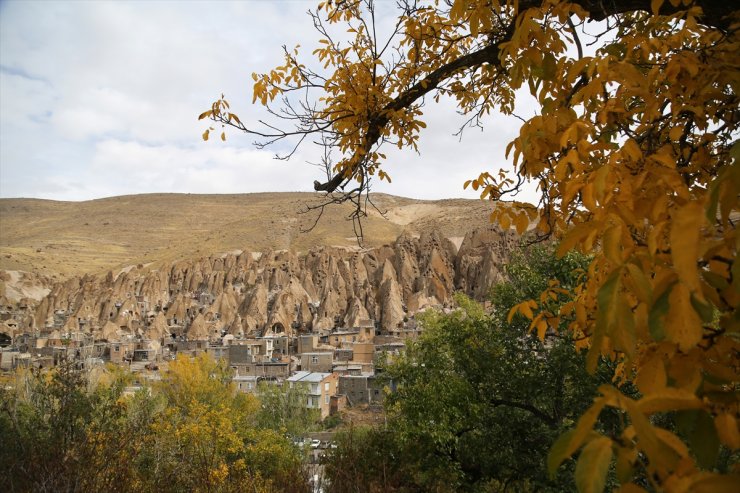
[(211, 168), (101, 98)]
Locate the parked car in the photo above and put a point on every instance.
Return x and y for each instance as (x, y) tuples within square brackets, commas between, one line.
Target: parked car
[(315, 443)]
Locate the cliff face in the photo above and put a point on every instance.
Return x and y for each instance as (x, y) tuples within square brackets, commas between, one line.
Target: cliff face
[(281, 291)]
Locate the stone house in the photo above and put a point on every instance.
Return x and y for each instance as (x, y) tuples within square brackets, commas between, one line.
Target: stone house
[(121, 351), (317, 362), (268, 370), (246, 383), (320, 388), (361, 389)]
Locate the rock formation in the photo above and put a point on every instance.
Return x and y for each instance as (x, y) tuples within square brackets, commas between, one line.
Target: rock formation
[(247, 294)]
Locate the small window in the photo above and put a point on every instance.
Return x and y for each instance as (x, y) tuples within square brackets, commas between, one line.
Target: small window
[(315, 360), (326, 399), (326, 387)]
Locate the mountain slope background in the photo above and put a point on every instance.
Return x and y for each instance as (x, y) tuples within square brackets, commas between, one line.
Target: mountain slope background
[(61, 239)]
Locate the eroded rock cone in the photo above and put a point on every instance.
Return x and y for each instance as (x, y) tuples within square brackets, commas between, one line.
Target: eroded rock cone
[(248, 294)]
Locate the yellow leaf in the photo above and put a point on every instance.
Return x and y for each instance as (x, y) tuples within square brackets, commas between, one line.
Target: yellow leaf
[(660, 455), (572, 440), (574, 236), (612, 243), (205, 134), (593, 464), (526, 310), (626, 458), (668, 399), (682, 323), (580, 314), (505, 221), (632, 150), (675, 133), (655, 6), (727, 430), (664, 159), (688, 222), (223, 136), (651, 375), (521, 221), (541, 329), (672, 441)]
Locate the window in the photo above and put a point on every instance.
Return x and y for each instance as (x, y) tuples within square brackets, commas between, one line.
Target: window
[(326, 399), (315, 360), (326, 387)]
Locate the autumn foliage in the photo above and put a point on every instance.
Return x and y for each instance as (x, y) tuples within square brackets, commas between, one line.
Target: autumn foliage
[(68, 429), (635, 155)]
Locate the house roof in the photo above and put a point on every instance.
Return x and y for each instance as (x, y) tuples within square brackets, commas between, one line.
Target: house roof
[(307, 376)]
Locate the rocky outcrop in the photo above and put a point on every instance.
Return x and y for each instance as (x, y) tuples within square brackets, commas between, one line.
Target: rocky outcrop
[(247, 294), (480, 260)]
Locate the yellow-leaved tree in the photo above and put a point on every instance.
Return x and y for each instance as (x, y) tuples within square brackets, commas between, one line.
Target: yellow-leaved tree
[(635, 154)]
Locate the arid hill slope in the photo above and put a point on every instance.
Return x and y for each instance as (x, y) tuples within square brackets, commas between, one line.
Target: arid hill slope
[(62, 239)]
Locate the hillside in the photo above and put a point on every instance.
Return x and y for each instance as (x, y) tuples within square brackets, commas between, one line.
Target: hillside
[(62, 239)]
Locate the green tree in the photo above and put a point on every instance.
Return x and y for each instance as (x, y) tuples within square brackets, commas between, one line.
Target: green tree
[(63, 432), (283, 408), (479, 401)]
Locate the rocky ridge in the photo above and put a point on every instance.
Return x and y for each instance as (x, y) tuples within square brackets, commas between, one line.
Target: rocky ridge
[(277, 291)]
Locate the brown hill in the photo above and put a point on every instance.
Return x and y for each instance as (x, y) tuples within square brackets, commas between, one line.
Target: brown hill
[(62, 239)]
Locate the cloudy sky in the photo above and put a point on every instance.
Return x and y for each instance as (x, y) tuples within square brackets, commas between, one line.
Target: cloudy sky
[(101, 98)]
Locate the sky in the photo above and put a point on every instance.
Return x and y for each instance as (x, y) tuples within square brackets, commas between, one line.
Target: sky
[(99, 99)]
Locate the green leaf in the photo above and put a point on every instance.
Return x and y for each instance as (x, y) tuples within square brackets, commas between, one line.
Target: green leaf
[(717, 484), (549, 66), (593, 464), (607, 316), (704, 310), (643, 290), (704, 440)]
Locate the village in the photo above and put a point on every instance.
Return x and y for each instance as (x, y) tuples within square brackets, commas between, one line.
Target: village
[(336, 369)]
